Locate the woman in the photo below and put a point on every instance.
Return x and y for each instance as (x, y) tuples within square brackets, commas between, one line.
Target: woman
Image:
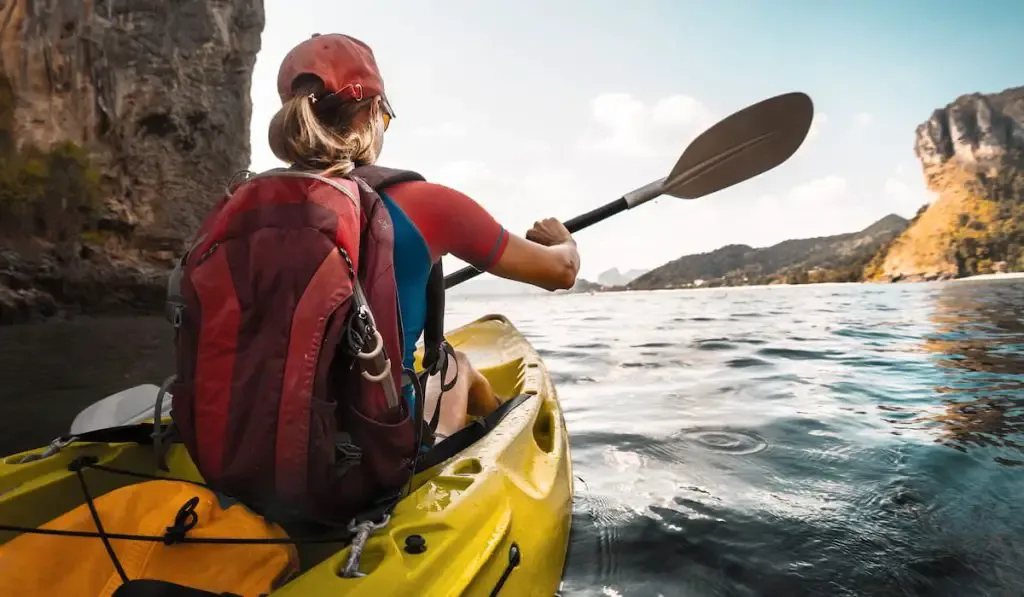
[(333, 118)]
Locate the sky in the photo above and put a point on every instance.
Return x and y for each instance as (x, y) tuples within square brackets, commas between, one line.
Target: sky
[(548, 109)]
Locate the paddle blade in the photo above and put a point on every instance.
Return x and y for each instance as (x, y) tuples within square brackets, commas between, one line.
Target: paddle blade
[(743, 145)]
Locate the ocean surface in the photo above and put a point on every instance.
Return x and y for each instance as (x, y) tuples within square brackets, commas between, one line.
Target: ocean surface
[(821, 440)]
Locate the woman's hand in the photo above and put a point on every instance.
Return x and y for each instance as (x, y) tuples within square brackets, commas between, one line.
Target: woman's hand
[(547, 257), (549, 232)]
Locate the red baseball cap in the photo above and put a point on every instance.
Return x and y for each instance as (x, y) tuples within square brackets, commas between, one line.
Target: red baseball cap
[(344, 64)]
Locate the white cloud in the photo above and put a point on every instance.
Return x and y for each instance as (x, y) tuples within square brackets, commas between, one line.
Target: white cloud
[(805, 200), (831, 204), (444, 130), (817, 123), (623, 119), (818, 207), (618, 111), (519, 146), (627, 127), (862, 120), (681, 110), (896, 188), (464, 174), (822, 190), (550, 182), (905, 193)]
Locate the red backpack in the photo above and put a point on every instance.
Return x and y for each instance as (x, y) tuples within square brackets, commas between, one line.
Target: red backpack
[(289, 346)]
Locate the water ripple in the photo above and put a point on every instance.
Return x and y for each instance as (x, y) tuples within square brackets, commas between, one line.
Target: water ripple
[(728, 441), (838, 440)]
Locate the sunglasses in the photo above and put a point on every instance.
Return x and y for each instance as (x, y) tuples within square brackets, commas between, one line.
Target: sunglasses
[(331, 101), (389, 113)]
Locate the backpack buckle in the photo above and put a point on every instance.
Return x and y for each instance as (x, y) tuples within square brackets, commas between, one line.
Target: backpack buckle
[(346, 453)]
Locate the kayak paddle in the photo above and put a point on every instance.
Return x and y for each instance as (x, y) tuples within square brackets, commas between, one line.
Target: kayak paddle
[(743, 145)]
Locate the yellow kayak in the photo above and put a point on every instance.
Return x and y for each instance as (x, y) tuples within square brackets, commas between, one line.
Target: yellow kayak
[(493, 519)]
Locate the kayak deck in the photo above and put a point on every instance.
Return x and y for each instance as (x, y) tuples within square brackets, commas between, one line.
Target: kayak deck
[(498, 512)]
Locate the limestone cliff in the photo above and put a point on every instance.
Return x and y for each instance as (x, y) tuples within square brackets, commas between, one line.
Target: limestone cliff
[(120, 122), (972, 154)]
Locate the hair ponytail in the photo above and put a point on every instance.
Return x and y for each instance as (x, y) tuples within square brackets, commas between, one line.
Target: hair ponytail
[(335, 142)]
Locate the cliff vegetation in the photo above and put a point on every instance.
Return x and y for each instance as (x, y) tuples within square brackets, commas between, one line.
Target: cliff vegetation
[(120, 123), (972, 156)]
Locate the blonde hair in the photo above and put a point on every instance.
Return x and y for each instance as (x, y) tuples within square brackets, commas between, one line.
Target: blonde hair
[(334, 142)]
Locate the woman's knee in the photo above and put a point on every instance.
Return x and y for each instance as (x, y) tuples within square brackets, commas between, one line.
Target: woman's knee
[(467, 372), (453, 372), (462, 359)]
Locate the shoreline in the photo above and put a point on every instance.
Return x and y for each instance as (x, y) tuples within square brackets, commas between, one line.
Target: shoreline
[(976, 278), (987, 277)]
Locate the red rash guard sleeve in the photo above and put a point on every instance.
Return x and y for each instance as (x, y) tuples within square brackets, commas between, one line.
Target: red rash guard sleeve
[(451, 222)]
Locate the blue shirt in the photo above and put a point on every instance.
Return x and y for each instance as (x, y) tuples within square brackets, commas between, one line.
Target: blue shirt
[(412, 271)]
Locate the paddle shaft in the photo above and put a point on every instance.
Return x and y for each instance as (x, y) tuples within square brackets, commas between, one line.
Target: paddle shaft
[(627, 201)]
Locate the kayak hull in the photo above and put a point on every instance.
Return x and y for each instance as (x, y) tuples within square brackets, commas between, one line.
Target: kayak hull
[(495, 516)]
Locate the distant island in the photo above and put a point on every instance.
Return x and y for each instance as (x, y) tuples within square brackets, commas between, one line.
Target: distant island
[(839, 258), (614, 277), (611, 279)]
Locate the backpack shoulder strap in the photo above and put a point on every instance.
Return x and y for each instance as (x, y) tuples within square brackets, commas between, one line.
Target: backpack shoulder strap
[(433, 328), (379, 177)]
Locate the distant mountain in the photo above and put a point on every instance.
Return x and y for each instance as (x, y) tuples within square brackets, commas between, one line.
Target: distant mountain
[(839, 258), (614, 277), (582, 286)]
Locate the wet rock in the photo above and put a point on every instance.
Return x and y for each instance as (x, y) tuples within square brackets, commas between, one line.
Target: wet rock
[(38, 287), (154, 95)]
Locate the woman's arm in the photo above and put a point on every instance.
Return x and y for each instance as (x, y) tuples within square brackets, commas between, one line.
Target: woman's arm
[(451, 222), (547, 257)]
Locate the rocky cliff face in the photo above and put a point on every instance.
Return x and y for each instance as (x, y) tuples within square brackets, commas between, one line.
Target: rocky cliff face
[(120, 122), (972, 154)]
